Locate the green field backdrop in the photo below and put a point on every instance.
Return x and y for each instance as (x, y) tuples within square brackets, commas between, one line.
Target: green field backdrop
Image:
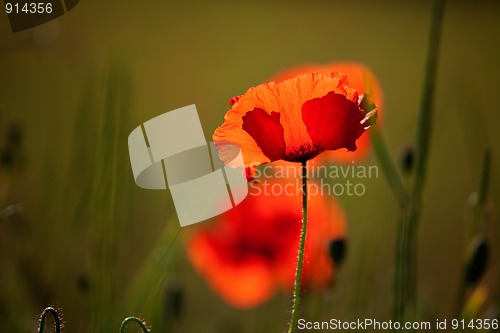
[(92, 243)]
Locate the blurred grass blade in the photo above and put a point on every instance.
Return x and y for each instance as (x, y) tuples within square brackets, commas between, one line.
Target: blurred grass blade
[(477, 252), (405, 285), (109, 195)]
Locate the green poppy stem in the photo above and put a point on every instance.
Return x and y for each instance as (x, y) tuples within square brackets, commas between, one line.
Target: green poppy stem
[(303, 232)]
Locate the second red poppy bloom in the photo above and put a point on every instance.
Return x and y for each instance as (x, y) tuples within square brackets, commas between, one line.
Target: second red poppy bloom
[(250, 251)]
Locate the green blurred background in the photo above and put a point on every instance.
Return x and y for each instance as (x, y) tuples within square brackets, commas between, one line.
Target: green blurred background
[(92, 243)]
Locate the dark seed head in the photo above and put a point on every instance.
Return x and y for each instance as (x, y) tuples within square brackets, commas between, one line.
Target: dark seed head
[(83, 283), (14, 134), (337, 249), (407, 156), (478, 260), (7, 157), (174, 299)]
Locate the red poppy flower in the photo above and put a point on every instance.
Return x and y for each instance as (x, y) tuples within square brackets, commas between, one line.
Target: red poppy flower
[(292, 120), (360, 77), (249, 252)]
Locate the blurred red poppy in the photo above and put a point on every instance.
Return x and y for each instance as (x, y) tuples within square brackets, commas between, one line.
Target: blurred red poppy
[(292, 120), (250, 252), (360, 78)]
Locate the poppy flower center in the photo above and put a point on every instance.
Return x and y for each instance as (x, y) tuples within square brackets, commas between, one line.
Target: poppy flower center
[(303, 152), (254, 237), (267, 131)]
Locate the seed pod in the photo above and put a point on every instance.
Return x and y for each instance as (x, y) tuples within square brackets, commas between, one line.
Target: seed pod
[(406, 159), (14, 135), (174, 299), (477, 259), (7, 157), (337, 249), (83, 283)]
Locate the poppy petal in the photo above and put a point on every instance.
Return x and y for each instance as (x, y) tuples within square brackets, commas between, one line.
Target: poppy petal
[(244, 286), (286, 99), (333, 122), (267, 131), (234, 100), (360, 77)]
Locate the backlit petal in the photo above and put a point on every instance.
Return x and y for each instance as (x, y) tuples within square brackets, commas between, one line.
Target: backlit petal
[(333, 122), (267, 132), (286, 99)]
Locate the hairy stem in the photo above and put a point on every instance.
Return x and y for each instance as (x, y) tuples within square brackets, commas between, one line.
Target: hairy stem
[(57, 322), (303, 232), (134, 319)]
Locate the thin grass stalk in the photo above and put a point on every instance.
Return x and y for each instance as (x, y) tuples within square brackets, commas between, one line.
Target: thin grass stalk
[(406, 251)]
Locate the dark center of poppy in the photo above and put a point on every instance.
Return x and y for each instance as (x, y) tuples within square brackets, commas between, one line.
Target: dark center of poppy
[(267, 131), (302, 153), (267, 241)]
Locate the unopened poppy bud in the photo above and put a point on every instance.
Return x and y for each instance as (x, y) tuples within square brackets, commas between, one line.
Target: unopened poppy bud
[(174, 299), (337, 249), (83, 283), (11, 157), (407, 156), (477, 259), (14, 134), (7, 157)]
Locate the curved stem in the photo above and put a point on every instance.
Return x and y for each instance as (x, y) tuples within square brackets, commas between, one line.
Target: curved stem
[(303, 232), (57, 322), (137, 320)]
